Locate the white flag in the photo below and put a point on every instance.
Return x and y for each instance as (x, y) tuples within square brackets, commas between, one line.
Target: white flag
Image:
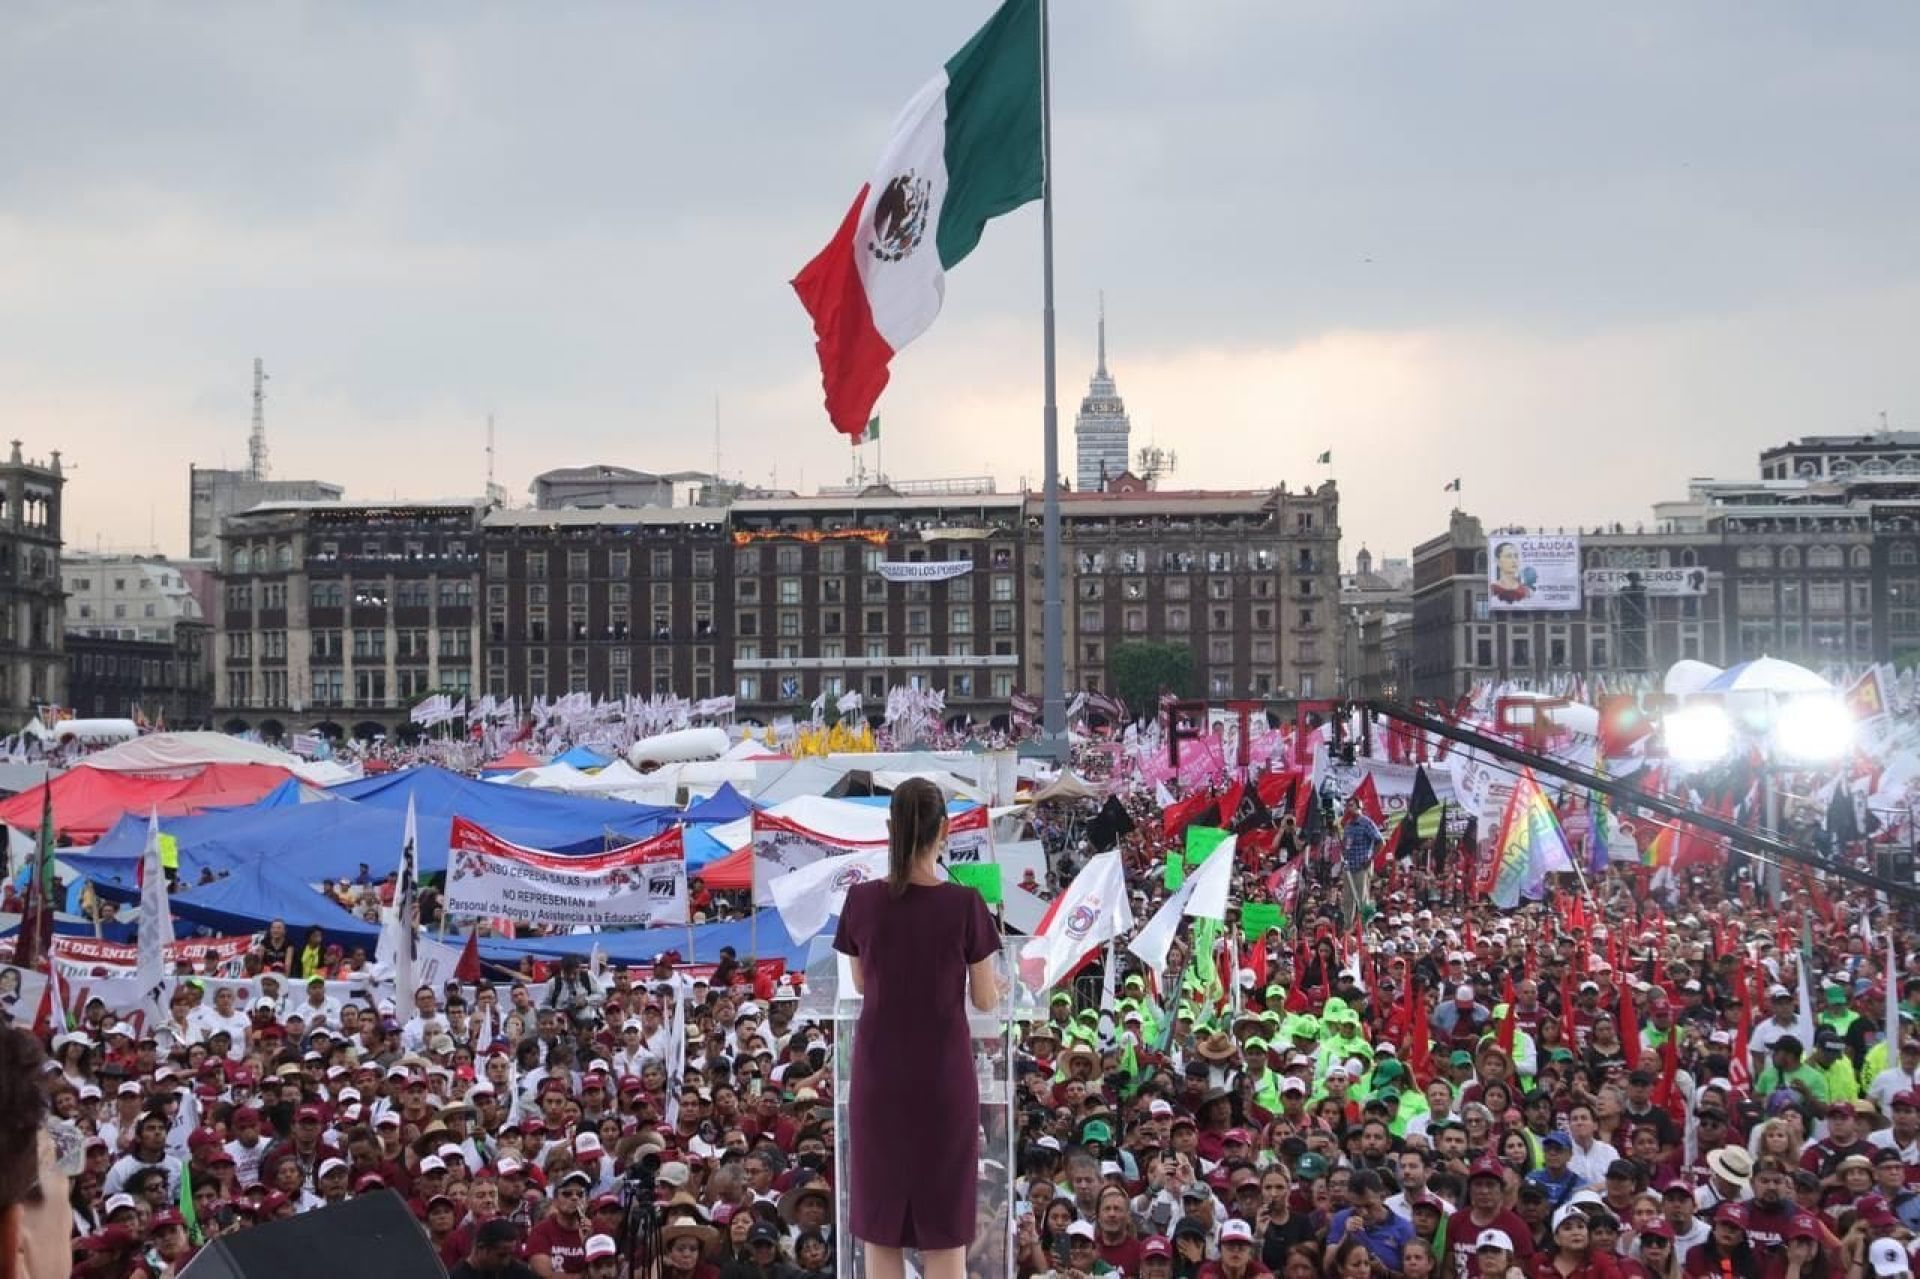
[(156, 918), (398, 938), (1203, 894), (809, 896), (1892, 1034), (1079, 922)]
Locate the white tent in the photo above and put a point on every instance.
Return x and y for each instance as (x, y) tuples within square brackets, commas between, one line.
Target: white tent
[(1687, 677), (178, 752)]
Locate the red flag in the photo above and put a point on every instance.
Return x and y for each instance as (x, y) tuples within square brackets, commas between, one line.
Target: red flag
[(1466, 937), (1506, 987), (1368, 797), (1508, 1024), (1663, 1092), (1629, 1026), (1297, 991), (467, 968), (1419, 1035), (1255, 960), (1740, 1069)]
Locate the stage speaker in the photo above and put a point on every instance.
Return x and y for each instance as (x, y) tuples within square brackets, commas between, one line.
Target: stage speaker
[(367, 1237)]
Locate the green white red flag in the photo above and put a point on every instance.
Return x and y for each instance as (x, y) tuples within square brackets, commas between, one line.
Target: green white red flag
[(966, 149)]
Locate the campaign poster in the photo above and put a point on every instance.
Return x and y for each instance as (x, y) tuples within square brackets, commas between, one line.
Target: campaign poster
[(1533, 572)]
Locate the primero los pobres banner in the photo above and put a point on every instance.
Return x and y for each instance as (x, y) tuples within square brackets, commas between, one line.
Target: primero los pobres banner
[(642, 884)]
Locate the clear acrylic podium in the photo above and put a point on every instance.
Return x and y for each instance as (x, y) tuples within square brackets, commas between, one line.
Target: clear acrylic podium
[(830, 999)]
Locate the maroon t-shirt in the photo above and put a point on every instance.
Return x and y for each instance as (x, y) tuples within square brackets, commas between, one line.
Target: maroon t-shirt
[(1463, 1231), (567, 1246)]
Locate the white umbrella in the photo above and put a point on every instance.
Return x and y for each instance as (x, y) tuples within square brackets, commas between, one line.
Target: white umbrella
[(1767, 675), (1687, 677)]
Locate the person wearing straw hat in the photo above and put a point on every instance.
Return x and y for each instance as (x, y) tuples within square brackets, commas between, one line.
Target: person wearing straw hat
[(683, 1249)]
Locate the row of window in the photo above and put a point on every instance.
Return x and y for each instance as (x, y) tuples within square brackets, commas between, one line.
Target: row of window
[(1178, 618), (1604, 650), (919, 621), (869, 650), (619, 563), (329, 686), (148, 670), (1817, 641), (830, 558), (1258, 559), (618, 594), (659, 657), (617, 628), (367, 643), (1816, 556), (1826, 595), (751, 687), (619, 684)]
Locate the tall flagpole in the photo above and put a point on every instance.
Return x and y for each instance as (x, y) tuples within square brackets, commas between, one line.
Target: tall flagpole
[(1053, 707)]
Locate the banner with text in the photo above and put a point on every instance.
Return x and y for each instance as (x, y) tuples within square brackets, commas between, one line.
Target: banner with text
[(923, 570), (1533, 572), (782, 845), (87, 957), (639, 885), (1654, 581)]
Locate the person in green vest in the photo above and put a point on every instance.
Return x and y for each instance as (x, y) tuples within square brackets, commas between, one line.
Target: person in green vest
[(1830, 1059), (1838, 1016), (1261, 1078), (1342, 1037), (1788, 1069), (1877, 1060)]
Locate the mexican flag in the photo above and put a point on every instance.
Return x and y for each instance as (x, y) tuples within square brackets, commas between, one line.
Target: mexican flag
[(966, 149)]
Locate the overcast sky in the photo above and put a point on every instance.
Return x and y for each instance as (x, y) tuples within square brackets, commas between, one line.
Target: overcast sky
[(1573, 254)]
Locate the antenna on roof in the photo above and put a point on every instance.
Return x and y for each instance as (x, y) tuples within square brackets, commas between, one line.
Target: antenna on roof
[(496, 495), (257, 439)]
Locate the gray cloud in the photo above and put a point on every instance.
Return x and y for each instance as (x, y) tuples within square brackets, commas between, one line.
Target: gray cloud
[(1451, 235)]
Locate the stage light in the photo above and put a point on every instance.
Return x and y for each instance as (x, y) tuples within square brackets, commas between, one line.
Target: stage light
[(1814, 729), (1699, 734)]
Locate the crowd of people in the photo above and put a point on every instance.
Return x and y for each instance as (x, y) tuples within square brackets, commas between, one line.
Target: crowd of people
[(1399, 1082)]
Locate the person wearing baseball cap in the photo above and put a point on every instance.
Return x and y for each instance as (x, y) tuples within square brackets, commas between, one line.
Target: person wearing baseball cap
[(1156, 1257), (1486, 1210), (603, 1257), (560, 1240), (1888, 1259)]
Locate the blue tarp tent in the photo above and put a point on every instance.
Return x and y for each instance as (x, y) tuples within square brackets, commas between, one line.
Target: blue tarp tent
[(643, 945), (444, 794), (317, 842), (724, 805), (585, 758), (252, 895), (702, 847)]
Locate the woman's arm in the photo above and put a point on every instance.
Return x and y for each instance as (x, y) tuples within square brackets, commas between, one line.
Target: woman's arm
[(983, 983)]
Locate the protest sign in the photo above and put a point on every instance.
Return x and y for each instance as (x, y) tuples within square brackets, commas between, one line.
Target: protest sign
[(639, 885)]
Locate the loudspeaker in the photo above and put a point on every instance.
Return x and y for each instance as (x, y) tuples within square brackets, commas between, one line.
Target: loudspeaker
[(368, 1237)]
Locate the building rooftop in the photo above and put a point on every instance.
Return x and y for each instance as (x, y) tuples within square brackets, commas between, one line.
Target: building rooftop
[(604, 516), (876, 498), (295, 506)]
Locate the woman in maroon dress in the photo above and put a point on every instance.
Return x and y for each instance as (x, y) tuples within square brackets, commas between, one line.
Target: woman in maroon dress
[(920, 947)]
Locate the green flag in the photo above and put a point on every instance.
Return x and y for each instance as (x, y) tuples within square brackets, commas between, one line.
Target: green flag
[(187, 1214), (1202, 840), (1257, 917), (1203, 971), (1175, 873), (872, 432), (984, 876)]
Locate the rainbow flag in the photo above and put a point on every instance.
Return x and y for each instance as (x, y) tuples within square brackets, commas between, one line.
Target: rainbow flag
[(1531, 846), (1659, 850)]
